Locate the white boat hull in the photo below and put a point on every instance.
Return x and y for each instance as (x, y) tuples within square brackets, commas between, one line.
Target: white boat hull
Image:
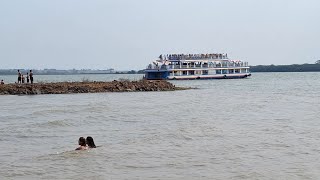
[(216, 76)]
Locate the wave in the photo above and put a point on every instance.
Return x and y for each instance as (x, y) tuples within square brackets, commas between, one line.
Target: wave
[(54, 123)]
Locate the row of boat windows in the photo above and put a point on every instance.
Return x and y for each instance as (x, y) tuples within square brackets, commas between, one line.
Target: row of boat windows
[(197, 65), (207, 72)]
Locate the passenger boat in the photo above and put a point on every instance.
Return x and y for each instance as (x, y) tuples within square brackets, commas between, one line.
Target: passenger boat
[(196, 66)]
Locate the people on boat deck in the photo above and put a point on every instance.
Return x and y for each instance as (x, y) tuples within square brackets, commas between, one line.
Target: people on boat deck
[(82, 143), (192, 56), (90, 142)]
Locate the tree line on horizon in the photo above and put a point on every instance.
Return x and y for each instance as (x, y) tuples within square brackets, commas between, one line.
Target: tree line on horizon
[(287, 68), (63, 72), (258, 68)]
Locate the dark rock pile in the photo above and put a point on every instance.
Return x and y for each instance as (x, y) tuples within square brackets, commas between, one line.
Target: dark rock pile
[(86, 87)]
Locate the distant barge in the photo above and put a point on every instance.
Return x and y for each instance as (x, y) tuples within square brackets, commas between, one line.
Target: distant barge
[(196, 66)]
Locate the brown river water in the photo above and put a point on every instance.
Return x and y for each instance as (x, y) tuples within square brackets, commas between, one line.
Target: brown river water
[(263, 127)]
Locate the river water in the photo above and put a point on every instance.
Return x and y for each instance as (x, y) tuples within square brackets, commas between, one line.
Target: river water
[(263, 127)]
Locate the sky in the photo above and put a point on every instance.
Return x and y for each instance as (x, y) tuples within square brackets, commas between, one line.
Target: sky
[(130, 34)]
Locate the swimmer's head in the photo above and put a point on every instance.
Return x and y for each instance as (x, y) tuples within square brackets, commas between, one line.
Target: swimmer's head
[(90, 142), (82, 141)]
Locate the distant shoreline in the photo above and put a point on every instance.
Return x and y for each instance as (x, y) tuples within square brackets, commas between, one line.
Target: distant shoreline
[(257, 68), (66, 72), (286, 68)]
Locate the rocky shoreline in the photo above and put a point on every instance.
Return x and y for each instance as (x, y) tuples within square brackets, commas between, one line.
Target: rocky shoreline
[(87, 87)]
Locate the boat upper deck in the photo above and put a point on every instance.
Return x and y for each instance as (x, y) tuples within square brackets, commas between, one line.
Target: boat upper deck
[(175, 57), (194, 65)]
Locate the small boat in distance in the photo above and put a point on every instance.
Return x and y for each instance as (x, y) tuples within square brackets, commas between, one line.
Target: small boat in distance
[(196, 66)]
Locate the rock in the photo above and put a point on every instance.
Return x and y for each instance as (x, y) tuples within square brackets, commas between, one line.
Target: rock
[(87, 87)]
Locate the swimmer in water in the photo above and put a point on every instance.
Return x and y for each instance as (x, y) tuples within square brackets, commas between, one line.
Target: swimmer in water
[(82, 143), (90, 142)]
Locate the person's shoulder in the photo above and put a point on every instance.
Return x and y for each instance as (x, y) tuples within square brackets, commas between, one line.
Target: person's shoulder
[(81, 148)]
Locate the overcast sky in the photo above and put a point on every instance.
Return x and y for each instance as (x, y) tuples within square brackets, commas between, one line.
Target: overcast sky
[(129, 34)]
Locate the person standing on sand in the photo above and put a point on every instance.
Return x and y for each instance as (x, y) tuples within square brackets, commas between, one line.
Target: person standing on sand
[(31, 76), (28, 77), (19, 77)]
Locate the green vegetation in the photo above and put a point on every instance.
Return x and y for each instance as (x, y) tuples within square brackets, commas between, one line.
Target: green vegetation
[(259, 68), (287, 68), (67, 72)]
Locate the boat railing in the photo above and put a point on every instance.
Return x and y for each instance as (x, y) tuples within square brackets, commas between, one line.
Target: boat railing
[(197, 66), (223, 65)]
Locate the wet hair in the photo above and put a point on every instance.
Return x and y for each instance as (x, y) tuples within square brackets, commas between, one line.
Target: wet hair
[(82, 141), (90, 142)]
